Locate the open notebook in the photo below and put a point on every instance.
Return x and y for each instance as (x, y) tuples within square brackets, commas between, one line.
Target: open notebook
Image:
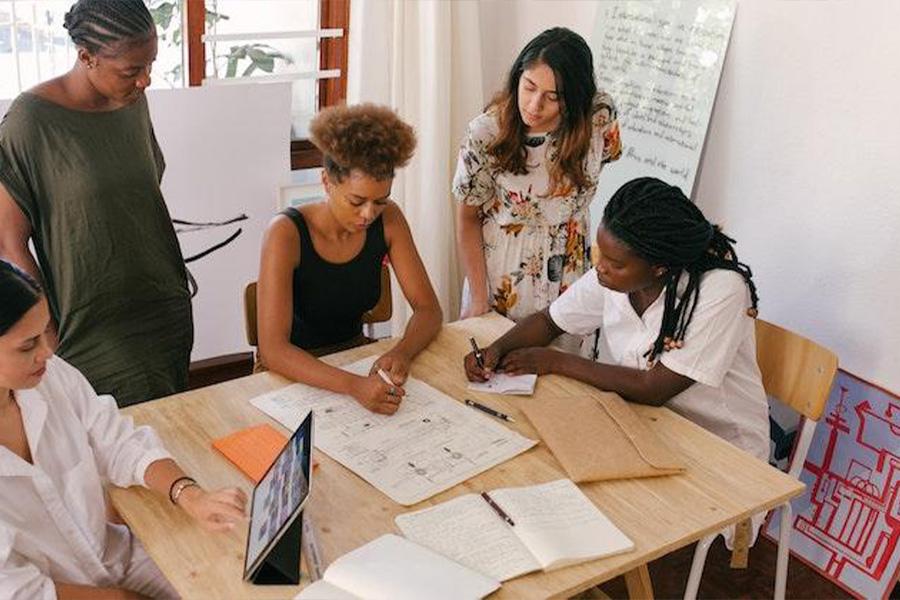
[(392, 568), (554, 525)]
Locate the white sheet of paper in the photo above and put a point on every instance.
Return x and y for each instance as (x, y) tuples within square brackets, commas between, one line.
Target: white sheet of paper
[(501, 383), (392, 568), (429, 445), (467, 530)]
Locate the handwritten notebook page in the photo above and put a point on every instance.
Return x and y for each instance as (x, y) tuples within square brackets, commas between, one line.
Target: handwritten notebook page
[(467, 530), (252, 450), (555, 525), (559, 524)]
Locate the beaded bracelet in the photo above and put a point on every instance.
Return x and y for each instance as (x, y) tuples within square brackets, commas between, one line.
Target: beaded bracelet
[(175, 489)]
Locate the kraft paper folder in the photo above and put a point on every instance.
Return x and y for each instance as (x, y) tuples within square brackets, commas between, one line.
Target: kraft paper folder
[(599, 439)]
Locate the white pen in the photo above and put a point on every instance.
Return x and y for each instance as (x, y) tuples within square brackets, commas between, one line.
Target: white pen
[(384, 376)]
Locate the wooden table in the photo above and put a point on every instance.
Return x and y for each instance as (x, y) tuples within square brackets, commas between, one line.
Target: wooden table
[(722, 485)]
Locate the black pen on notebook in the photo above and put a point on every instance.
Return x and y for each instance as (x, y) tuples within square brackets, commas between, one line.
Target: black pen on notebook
[(479, 355), (497, 509), (489, 410)]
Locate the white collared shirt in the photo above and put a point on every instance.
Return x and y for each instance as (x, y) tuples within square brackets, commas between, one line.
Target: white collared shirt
[(53, 522), (719, 351)]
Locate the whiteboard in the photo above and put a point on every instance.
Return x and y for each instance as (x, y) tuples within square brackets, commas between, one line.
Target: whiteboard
[(661, 62)]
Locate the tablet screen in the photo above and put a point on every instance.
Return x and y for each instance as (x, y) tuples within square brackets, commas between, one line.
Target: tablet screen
[(279, 495)]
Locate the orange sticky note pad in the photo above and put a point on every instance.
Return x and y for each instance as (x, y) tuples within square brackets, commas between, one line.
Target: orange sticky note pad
[(252, 450)]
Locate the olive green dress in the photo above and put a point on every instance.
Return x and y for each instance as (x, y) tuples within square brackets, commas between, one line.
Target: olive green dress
[(88, 182)]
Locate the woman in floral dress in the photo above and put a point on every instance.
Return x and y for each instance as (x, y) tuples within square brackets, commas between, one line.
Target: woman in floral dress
[(527, 172)]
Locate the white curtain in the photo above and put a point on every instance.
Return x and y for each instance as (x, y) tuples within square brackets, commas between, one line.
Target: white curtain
[(422, 58)]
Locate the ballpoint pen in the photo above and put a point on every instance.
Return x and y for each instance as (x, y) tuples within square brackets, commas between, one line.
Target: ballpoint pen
[(502, 514), (488, 410), (479, 355)]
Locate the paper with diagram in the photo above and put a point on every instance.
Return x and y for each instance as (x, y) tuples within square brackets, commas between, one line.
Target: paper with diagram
[(430, 444)]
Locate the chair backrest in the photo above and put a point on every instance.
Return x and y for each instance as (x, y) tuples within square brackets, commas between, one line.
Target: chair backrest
[(381, 312), (796, 370), (250, 313)]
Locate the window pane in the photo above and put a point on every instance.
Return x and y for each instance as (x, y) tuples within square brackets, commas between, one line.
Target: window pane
[(255, 55), (40, 48), (168, 70)]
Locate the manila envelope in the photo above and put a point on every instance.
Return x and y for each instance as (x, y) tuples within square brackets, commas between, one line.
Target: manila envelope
[(600, 439)]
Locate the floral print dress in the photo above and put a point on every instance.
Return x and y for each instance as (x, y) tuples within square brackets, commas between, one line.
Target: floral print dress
[(535, 245)]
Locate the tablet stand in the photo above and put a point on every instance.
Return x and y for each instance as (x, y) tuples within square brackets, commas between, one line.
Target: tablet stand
[(282, 563)]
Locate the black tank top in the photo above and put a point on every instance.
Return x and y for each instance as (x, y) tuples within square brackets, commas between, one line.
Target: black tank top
[(330, 298)]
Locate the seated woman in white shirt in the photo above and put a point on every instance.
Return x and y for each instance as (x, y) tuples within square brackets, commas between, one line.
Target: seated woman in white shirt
[(58, 442), (674, 308)]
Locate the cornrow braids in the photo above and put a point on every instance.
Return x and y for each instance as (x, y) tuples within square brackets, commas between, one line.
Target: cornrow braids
[(659, 223), (96, 24)]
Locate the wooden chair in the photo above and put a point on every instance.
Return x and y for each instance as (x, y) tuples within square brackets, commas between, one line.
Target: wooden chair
[(380, 313), (799, 373)]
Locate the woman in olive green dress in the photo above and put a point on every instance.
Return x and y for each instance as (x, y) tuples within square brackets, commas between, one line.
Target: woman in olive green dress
[(79, 177)]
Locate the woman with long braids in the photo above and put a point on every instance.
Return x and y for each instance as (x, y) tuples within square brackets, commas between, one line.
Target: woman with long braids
[(675, 310), (527, 172), (80, 175)]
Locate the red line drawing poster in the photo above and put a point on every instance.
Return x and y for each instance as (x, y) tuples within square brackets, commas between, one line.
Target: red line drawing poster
[(847, 523)]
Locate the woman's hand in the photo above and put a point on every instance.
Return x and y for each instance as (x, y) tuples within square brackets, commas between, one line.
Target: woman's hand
[(376, 395), (215, 511), (490, 359), (539, 361), (395, 364)]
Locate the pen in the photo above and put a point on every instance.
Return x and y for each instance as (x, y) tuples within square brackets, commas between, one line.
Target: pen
[(387, 380), (497, 509), (488, 410), (479, 355)]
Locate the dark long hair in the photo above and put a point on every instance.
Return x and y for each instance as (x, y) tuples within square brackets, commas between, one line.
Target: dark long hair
[(569, 56), (662, 226), (19, 292), (96, 24)]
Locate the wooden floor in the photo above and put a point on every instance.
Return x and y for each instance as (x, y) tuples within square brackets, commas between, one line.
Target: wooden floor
[(669, 574)]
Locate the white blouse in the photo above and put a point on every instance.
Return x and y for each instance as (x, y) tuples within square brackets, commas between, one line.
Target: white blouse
[(719, 351), (53, 522)]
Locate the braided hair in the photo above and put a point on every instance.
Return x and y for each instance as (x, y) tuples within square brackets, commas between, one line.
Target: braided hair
[(662, 226), (96, 24)]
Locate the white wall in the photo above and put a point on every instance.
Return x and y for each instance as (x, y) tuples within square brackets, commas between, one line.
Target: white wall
[(802, 160), (226, 154)]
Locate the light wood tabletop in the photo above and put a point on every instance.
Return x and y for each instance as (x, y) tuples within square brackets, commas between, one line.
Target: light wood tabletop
[(722, 485)]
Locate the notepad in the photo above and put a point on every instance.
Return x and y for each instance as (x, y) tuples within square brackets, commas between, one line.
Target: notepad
[(252, 450), (501, 383), (555, 525), (392, 568)]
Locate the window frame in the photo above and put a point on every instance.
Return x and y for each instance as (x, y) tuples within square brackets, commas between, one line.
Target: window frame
[(333, 54)]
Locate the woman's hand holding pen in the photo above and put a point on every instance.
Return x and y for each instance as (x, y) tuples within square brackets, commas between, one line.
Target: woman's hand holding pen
[(216, 511), (395, 364), (378, 395), (482, 370)]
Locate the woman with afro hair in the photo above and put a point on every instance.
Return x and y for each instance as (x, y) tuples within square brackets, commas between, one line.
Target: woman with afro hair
[(320, 269)]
